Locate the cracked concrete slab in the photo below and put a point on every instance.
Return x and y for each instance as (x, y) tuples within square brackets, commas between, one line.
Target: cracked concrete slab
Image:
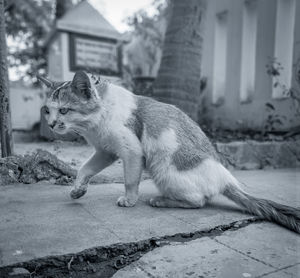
[(257, 250), (199, 258), (283, 273), (294, 270), (280, 249), (41, 220)]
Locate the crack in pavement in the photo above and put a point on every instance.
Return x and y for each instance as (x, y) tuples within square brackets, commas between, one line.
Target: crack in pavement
[(107, 260), (277, 270)]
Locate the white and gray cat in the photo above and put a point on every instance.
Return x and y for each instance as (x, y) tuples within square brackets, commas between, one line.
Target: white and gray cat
[(146, 133)]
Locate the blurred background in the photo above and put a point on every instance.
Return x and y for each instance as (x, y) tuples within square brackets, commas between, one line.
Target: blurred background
[(231, 65)]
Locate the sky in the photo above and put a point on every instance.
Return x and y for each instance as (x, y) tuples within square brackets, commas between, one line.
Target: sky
[(116, 11)]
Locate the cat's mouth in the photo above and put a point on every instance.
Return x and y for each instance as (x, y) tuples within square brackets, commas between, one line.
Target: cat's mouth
[(60, 128)]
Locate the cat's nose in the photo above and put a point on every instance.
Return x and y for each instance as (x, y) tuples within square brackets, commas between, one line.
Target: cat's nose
[(52, 125)]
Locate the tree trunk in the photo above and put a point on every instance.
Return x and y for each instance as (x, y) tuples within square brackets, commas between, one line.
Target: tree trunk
[(5, 120), (178, 80)]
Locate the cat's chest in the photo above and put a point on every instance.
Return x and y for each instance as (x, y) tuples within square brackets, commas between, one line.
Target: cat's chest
[(104, 141)]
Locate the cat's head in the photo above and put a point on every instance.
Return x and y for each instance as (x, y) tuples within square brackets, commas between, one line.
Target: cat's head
[(69, 105)]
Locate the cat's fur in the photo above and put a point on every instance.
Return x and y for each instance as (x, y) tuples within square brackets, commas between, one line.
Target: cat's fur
[(146, 133)]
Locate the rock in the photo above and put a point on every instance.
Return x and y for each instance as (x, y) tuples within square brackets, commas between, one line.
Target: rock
[(10, 169), (39, 166)]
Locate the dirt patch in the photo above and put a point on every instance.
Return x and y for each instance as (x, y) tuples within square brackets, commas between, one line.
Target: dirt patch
[(32, 168), (58, 159)]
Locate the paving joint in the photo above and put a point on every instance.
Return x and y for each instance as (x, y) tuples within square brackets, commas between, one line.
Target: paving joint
[(96, 218), (277, 270), (107, 260), (242, 253), (146, 272)]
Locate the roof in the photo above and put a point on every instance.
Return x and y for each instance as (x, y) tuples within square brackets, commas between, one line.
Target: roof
[(85, 19)]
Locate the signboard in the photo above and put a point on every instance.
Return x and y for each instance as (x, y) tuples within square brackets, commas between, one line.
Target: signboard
[(99, 55)]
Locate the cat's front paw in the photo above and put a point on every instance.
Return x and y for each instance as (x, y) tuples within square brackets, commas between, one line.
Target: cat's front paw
[(77, 192), (124, 201)]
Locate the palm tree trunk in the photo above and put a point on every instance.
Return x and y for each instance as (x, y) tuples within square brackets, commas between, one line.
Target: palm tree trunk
[(178, 80), (5, 120)]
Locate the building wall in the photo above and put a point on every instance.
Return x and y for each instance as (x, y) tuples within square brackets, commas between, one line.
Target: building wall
[(26, 103), (54, 58), (59, 59), (224, 105)]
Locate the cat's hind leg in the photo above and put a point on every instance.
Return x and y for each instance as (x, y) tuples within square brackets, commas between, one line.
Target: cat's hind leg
[(178, 190), (191, 188), (164, 202)]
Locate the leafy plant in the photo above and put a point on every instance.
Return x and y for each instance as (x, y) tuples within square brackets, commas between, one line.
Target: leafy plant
[(273, 119), (274, 69), (147, 37), (28, 23)]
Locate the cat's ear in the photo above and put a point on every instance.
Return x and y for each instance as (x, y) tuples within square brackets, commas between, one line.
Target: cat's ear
[(81, 85), (46, 81)]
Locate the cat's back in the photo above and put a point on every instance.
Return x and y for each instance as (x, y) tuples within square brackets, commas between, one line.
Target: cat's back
[(158, 116), (165, 121)]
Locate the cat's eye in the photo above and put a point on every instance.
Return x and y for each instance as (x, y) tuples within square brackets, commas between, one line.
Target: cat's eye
[(64, 110), (46, 109)]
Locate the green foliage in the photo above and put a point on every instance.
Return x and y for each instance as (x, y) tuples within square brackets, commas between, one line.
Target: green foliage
[(144, 24), (274, 69), (148, 28), (27, 25), (273, 119)]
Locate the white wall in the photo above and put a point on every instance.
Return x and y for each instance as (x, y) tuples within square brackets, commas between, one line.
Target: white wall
[(284, 44), (248, 55), (26, 103), (256, 31)]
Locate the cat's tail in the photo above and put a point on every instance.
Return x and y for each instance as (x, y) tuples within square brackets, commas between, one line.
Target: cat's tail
[(286, 216)]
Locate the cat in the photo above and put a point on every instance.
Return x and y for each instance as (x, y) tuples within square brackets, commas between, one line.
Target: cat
[(143, 132)]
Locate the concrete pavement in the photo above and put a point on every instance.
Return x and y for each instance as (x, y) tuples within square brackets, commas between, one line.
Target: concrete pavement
[(258, 250), (41, 220)]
